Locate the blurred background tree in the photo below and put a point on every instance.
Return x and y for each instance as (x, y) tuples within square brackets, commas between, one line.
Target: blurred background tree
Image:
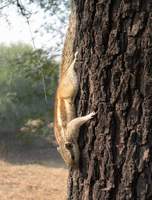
[(28, 75), (23, 74)]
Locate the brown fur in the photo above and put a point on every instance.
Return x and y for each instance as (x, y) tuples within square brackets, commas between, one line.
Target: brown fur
[(66, 124)]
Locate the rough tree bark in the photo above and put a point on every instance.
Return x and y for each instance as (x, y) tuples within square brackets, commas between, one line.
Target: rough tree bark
[(114, 40)]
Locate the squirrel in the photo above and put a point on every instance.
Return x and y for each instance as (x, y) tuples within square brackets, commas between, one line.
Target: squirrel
[(66, 124)]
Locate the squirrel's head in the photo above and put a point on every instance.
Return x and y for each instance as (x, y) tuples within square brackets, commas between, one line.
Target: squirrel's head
[(70, 153)]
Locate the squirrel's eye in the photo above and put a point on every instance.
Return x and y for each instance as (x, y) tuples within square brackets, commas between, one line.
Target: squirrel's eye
[(68, 145)]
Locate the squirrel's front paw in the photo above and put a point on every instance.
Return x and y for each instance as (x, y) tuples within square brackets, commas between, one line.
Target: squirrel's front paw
[(91, 115), (75, 55)]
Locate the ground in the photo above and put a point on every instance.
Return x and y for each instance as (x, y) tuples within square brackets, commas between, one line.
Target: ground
[(32, 182), (34, 173)]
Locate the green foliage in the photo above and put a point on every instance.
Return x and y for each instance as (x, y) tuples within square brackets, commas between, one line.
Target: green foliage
[(23, 72)]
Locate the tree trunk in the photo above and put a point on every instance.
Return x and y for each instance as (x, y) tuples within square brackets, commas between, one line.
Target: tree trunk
[(114, 41)]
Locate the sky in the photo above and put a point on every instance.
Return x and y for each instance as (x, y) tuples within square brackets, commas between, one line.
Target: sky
[(14, 28)]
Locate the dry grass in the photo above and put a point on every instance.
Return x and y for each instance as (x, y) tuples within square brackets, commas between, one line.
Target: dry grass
[(32, 182)]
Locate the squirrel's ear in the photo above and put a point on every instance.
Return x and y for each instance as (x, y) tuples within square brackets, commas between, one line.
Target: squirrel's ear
[(68, 145), (58, 149)]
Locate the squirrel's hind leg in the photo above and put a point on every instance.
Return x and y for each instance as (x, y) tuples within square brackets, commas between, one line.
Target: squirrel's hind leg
[(68, 86)]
